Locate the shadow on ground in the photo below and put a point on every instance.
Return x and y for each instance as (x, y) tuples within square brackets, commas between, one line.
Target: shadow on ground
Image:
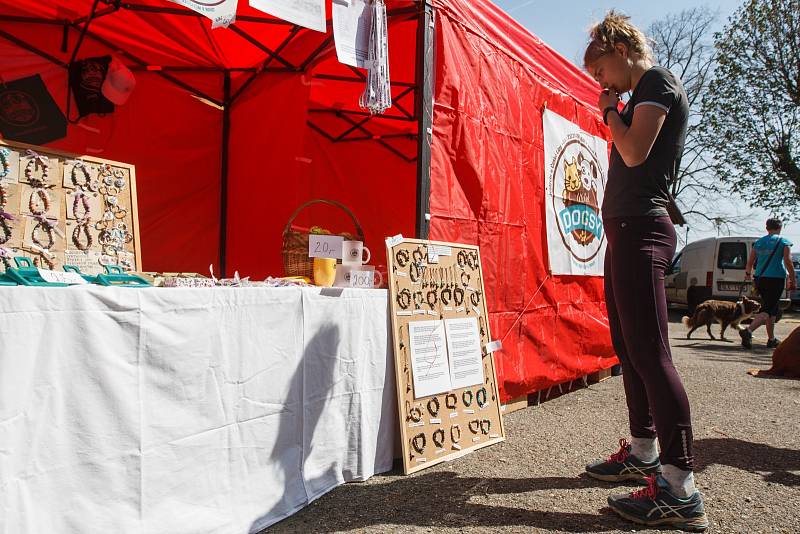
[(408, 501), (773, 464)]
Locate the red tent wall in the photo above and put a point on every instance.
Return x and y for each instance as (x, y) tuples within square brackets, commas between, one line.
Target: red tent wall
[(493, 80)]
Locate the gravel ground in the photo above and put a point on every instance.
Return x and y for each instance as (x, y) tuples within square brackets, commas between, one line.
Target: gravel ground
[(747, 448)]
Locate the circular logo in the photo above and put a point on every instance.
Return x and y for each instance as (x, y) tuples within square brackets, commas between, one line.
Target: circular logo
[(575, 178), (18, 108), (206, 3), (353, 253)]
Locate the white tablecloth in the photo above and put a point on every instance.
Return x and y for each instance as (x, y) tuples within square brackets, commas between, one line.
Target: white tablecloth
[(187, 410)]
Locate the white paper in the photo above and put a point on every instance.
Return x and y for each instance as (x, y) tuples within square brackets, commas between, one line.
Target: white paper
[(325, 246), (429, 366), (394, 240), (306, 13), (352, 21), (362, 279), (222, 13), (575, 175), (56, 277), (464, 346)]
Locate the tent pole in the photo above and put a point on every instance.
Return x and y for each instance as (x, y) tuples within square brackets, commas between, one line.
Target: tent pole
[(223, 196), (424, 112)]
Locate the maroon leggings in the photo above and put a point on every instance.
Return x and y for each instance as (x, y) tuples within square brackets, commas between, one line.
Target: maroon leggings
[(639, 251)]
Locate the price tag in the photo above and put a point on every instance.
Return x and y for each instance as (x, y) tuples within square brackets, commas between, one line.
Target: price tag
[(325, 246), (395, 240), (362, 279), (55, 277)]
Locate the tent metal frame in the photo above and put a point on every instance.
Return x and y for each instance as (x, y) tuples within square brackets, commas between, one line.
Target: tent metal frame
[(355, 121)]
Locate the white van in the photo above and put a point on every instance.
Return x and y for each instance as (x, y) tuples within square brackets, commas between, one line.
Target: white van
[(711, 268)]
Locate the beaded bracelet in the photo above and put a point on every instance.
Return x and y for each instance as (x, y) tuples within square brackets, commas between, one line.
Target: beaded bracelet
[(475, 298), (402, 257), (418, 442), (37, 262), (438, 438), (433, 407), (455, 437), (6, 165), (486, 426), (461, 259), (446, 296), (417, 300), (417, 256), (414, 272), (87, 178), (463, 274), (466, 398), (480, 397), (80, 198), (431, 302), (48, 229), (44, 200), (474, 426), (7, 231), (451, 400), (76, 237), (415, 414), (458, 296), (472, 260), (404, 299), (33, 164)]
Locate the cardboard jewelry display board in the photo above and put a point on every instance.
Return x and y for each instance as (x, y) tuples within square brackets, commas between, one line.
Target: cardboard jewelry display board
[(448, 400), (61, 209)]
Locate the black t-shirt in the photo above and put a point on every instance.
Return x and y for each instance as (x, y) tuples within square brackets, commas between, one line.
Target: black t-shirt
[(643, 190)]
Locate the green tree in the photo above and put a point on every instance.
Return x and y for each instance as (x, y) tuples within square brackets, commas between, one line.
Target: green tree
[(752, 107)]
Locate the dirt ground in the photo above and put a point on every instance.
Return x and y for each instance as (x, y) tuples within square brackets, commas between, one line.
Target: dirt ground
[(747, 448)]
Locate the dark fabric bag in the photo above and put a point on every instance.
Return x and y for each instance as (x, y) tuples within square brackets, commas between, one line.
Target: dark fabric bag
[(86, 78), (28, 113)]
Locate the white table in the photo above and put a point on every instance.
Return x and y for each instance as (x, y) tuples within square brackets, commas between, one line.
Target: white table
[(187, 410)]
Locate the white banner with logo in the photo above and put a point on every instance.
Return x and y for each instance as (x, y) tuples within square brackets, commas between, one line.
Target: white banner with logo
[(221, 12), (576, 170)]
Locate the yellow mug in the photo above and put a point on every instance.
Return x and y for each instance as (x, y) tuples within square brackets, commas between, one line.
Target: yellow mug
[(324, 271)]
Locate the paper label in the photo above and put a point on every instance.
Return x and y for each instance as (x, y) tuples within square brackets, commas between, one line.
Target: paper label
[(325, 246), (362, 279), (396, 240), (56, 277), (306, 13), (494, 346)]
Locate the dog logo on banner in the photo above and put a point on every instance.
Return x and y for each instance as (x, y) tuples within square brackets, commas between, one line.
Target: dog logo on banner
[(576, 168)]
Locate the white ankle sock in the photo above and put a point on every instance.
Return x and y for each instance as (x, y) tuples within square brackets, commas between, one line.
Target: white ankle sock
[(644, 449), (681, 483)]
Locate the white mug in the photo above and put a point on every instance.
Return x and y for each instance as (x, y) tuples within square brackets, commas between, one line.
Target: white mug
[(353, 252), (344, 274)]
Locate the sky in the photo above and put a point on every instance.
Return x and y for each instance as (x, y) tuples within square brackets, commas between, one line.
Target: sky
[(564, 27)]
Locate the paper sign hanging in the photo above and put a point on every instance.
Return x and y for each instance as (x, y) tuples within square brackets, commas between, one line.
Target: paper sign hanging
[(306, 13), (352, 23), (221, 12)]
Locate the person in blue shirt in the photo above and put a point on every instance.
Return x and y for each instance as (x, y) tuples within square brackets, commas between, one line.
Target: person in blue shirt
[(772, 258)]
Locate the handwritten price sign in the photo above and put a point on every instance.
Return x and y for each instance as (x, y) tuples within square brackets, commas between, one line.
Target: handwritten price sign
[(325, 246)]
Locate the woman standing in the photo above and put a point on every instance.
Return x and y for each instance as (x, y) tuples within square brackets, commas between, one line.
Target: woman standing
[(648, 138), (774, 256)]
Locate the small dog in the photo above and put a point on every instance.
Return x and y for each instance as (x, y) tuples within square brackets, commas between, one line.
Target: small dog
[(785, 359), (722, 312)]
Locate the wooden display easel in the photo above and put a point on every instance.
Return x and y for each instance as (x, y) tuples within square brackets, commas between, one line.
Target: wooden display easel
[(60, 188), (478, 424)]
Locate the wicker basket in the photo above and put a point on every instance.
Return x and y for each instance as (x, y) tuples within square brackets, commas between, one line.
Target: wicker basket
[(295, 242)]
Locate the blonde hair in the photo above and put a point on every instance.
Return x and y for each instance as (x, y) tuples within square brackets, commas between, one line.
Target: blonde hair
[(614, 29)]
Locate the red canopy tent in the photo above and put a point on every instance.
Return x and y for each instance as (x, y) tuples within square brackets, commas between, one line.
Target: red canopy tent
[(231, 129)]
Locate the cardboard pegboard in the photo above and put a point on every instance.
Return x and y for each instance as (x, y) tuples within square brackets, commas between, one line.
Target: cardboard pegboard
[(70, 242), (463, 419)]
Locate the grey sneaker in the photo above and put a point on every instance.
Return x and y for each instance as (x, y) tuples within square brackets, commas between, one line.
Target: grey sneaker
[(656, 506), (773, 343), (622, 465), (747, 338)]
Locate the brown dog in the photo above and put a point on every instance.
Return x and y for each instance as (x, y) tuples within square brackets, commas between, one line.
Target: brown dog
[(722, 312), (785, 359)]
